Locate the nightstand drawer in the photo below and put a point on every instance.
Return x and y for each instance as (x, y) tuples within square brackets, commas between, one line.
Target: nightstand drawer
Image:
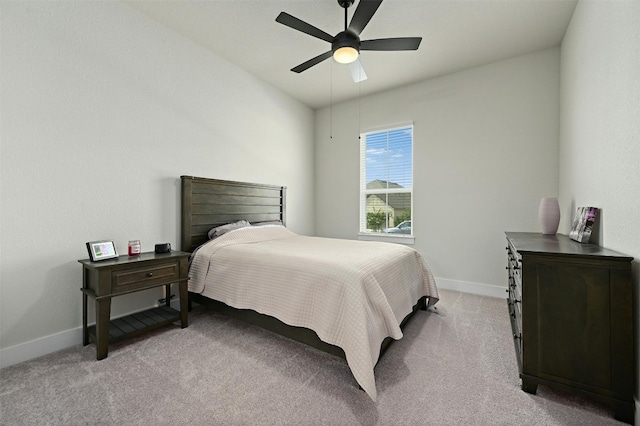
[(129, 279)]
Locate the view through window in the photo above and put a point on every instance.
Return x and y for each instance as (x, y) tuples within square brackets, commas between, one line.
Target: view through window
[(386, 181)]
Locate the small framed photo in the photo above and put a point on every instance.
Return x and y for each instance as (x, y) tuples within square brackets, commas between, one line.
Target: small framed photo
[(583, 224), (101, 250)]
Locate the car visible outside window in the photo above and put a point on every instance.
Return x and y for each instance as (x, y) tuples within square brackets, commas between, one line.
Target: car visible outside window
[(403, 228)]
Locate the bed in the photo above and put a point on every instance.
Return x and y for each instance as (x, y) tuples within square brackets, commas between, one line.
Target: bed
[(349, 298)]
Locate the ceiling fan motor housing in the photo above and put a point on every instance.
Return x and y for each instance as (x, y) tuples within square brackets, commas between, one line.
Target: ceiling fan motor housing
[(345, 39)]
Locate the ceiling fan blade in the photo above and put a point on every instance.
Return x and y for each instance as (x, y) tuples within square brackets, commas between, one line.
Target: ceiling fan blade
[(312, 62), (357, 71), (363, 14), (400, 43), (297, 24)]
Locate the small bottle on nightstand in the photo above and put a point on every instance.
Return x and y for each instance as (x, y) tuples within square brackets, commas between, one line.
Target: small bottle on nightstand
[(134, 247)]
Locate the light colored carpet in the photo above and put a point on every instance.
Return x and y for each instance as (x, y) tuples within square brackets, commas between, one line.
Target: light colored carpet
[(454, 367)]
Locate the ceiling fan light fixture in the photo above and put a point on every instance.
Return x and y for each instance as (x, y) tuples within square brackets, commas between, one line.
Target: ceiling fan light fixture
[(345, 47), (345, 55)]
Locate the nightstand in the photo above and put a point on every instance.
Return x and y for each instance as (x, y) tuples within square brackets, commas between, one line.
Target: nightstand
[(127, 274)]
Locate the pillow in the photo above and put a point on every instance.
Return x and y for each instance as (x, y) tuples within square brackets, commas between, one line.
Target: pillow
[(219, 231)]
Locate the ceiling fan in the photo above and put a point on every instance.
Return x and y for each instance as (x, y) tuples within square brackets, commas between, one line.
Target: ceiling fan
[(346, 45)]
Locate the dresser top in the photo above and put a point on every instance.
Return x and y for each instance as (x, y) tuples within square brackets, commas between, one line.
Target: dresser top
[(534, 242)]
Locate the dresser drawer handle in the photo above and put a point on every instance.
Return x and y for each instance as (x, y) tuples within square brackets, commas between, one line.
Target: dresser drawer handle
[(149, 274)]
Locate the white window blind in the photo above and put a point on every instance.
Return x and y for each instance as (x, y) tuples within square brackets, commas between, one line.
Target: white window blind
[(386, 181)]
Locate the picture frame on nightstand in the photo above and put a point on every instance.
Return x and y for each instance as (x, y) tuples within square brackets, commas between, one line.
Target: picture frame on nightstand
[(101, 250)]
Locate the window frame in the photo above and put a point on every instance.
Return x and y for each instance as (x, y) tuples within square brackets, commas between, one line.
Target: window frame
[(364, 192)]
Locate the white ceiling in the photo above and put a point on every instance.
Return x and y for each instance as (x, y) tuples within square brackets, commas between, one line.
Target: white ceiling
[(456, 35)]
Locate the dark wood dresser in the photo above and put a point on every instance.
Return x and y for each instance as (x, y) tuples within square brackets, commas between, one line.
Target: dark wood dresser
[(571, 308)]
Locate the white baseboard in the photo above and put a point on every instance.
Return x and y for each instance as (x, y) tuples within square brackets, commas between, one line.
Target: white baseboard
[(473, 288), (47, 345), (39, 347)]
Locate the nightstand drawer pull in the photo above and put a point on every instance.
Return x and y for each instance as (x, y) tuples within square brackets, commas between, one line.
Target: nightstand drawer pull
[(150, 274)]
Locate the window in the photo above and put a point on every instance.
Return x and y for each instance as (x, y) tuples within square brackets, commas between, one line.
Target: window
[(386, 181)]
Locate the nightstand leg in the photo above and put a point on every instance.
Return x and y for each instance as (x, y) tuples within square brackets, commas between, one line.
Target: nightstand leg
[(184, 304), (85, 329), (103, 314), (167, 295)]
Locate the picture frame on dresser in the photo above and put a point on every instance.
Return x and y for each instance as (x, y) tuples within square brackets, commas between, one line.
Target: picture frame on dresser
[(583, 224), (101, 250)]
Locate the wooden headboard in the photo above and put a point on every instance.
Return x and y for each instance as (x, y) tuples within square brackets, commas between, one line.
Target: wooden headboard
[(207, 203)]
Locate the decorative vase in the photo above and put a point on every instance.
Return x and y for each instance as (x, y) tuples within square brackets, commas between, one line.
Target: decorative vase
[(549, 215)]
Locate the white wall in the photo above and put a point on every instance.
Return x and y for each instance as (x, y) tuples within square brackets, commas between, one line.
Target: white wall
[(485, 153), (101, 111), (600, 125), (600, 130)]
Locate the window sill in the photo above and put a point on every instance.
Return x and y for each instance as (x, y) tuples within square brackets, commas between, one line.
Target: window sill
[(387, 238)]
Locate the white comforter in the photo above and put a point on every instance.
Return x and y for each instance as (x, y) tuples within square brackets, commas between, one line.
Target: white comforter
[(353, 294)]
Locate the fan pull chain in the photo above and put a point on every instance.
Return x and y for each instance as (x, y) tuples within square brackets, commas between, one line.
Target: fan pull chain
[(359, 99), (331, 103)]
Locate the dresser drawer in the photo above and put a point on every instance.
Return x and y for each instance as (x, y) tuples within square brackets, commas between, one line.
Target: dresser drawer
[(149, 275)]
